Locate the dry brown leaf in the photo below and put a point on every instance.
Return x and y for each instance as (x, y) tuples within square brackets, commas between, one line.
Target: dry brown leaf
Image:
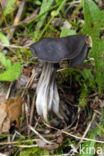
[(27, 71), (2, 114), (59, 137), (14, 109), (2, 100), (4, 121), (10, 112), (18, 2), (97, 104), (6, 125)]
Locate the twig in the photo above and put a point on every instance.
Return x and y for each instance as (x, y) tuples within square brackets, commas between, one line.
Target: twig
[(26, 146), (93, 95), (37, 122), (59, 70), (79, 110), (27, 106), (29, 82), (76, 125), (32, 109), (76, 137), (17, 18), (14, 46), (26, 141), (16, 142), (87, 129), (97, 112), (84, 139), (74, 2), (25, 21), (40, 136), (16, 133), (9, 90)]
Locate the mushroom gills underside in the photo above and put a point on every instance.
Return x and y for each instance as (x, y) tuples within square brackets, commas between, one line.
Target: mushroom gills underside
[(47, 92)]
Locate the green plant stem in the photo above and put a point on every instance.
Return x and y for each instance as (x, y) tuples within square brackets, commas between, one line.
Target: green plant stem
[(8, 29), (7, 26), (102, 129), (77, 9), (56, 13)]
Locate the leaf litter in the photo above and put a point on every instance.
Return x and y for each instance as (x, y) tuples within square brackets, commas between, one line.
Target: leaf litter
[(10, 112)]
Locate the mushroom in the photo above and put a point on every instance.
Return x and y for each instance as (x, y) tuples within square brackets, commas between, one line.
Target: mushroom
[(51, 51)]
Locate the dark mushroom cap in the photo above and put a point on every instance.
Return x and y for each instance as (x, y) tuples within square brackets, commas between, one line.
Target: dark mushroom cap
[(66, 48)]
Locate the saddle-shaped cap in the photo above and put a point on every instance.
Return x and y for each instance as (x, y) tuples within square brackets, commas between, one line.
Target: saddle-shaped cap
[(72, 48)]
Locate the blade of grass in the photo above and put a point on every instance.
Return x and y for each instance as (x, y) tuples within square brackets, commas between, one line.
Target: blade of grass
[(54, 13)]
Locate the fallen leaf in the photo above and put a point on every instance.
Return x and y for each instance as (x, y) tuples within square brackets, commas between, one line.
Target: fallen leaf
[(4, 121), (18, 2), (59, 137), (2, 114), (14, 110), (27, 71), (97, 104), (2, 100), (6, 126)]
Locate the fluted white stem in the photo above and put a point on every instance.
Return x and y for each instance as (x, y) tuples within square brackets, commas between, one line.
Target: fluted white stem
[(47, 92)]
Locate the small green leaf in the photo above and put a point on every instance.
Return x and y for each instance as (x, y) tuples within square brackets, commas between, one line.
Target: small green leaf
[(12, 73), (36, 151), (9, 8), (37, 2), (44, 7), (66, 32), (3, 39), (4, 61), (83, 95), (94, 22)]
